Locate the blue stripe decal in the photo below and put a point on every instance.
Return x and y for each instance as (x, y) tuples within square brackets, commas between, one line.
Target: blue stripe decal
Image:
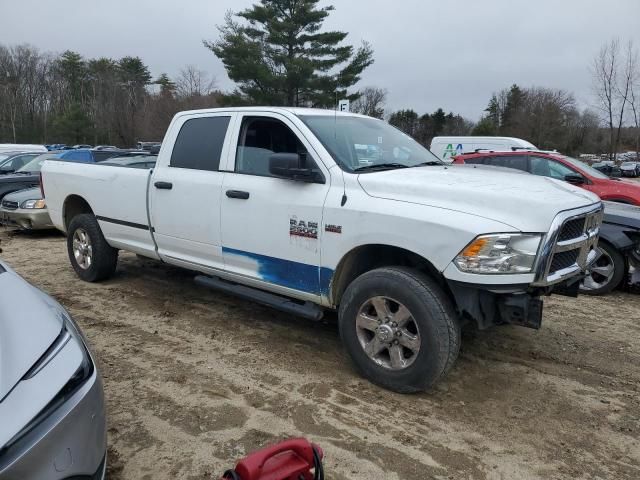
[(289, 274)]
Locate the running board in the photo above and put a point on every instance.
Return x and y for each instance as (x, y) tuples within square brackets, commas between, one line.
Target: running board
[(307, 309)]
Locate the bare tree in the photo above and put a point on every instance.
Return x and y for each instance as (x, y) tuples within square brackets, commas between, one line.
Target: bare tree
[(634, 102), (613, 76), (371, 102), (193, 82)]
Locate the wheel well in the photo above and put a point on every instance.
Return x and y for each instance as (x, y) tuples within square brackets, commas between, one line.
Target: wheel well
[(369, 257), (74, 205)]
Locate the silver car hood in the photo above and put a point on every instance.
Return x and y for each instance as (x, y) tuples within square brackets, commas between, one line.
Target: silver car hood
[(24, 195), (26, 332)]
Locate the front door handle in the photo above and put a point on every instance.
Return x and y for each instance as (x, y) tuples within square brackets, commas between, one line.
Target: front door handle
[(238, 194), (163, 185)]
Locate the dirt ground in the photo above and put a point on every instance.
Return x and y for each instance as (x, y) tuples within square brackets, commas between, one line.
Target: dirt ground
[(195, 379)]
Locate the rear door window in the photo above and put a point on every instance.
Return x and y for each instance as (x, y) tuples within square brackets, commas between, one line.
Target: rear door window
[(519, 162), (475, 160), (199, 144)]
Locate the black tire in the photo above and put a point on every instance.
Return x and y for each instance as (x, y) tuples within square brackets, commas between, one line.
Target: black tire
[(432, 314), (104, 258), (597, 284)]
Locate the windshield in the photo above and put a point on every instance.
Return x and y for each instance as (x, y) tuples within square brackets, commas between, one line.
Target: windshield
[(34, 165), (585, 168), (3, 158), (358, 143), (628, 164)]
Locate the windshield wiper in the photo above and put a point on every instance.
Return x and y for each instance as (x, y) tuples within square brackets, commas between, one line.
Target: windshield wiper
[(430, 163), (381, 166)]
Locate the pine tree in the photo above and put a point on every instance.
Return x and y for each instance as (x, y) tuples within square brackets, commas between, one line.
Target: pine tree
[(515, 103), (167, 86), (278, 55)]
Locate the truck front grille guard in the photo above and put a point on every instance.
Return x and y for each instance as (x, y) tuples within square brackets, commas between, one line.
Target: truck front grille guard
[(567, 242)]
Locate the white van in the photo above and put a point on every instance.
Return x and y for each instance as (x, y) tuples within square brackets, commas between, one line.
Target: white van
[(447, 147), (21, 147)]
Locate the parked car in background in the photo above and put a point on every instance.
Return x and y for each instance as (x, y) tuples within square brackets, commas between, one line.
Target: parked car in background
[(56, 146), (10, 162), (620, 247), (21, 147), (105, 147), (560, 167), (25, 209), (610, 169), (148, 146), (51, 397), (630, 169), (133, 161), (403, 246), (445, 148), (15, 161), (84, 155), (26, 176), (82, 145)]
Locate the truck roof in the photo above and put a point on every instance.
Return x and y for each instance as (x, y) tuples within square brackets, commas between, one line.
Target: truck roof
[(298, 111)]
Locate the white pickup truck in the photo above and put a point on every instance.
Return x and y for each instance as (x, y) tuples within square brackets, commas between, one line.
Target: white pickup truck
[(310, 210)]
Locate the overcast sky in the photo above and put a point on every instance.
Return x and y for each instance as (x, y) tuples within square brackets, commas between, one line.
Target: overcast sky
[(447, 53)]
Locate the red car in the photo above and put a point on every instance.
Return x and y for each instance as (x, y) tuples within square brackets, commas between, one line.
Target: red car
[(560, 167)]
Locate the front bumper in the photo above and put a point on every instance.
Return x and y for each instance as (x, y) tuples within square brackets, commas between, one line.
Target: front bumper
[(490, 305), (26, 219), (70, 443)]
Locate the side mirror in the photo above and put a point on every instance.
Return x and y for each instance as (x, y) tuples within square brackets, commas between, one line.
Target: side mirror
[(292, 166), (574, 178)]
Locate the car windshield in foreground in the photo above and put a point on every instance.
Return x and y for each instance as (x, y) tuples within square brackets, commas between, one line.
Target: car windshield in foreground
[(360, 144), (585, 168)]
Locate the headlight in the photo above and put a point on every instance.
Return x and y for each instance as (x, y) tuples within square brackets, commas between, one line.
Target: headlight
[(33, 204), (499, 253), (69, 332)]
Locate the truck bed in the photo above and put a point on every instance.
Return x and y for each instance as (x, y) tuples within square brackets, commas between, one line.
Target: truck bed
[(117, 195)]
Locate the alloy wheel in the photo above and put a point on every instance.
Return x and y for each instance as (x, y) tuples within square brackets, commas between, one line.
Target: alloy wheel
[(388, 333), (82, 249)]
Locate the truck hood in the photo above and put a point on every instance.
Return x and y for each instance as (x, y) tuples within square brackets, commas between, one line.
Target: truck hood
[(29, 324), (519, 200)]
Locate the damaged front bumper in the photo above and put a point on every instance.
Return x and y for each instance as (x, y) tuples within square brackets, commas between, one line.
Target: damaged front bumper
[(492, 305)]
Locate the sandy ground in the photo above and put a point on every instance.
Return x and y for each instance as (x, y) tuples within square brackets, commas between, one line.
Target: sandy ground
[(195, 379)]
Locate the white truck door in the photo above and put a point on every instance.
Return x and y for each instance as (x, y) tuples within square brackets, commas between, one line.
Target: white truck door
[(271, 226), (185, 192)]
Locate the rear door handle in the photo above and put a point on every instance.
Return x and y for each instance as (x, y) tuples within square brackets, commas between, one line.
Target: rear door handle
[(238, 194), (163, 185)]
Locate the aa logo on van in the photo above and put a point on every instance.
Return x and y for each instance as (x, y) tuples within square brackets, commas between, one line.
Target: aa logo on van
[(452, 152)]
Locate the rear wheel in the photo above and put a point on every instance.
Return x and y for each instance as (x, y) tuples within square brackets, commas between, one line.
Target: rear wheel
[(606, 273), (399, 328), (92, 258)]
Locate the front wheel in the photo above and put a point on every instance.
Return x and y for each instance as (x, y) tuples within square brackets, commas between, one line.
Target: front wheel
[(399, 328), (92, 258), (606, 273)]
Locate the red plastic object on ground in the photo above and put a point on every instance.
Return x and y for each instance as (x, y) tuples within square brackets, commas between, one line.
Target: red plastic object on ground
[(289, 460)]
